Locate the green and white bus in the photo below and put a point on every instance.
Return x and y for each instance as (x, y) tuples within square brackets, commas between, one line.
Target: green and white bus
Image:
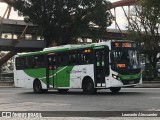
[(105, 65)]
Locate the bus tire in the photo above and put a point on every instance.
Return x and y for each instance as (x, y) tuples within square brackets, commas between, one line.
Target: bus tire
[(62, 91), (115, 89), (37, 87), (88, 87)]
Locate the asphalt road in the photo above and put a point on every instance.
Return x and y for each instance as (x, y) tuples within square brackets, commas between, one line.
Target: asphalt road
[(129, 99)]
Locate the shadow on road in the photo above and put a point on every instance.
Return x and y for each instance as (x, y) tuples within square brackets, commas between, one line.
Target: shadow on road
[(81, 93)]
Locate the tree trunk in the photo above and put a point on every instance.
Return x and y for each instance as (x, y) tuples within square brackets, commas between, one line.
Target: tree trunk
[(153, 62), (155, 72), (5, 58)]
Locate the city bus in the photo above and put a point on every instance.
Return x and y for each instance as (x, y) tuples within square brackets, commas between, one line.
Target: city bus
[(90, 67)]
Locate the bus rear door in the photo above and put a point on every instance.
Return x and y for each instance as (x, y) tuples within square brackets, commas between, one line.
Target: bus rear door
[(51, 69)]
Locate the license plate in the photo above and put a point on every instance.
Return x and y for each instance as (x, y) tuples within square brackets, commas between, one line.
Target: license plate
[(131, 82)]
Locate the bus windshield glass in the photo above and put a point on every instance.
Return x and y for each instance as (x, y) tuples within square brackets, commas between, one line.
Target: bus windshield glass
[(125, 59)]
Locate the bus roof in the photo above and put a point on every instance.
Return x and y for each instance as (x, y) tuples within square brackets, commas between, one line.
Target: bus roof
[(57, 49), (69, 47)]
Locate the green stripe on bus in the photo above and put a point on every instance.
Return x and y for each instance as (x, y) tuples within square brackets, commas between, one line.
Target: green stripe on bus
[(129, 77), (61, 75), (62, 78)]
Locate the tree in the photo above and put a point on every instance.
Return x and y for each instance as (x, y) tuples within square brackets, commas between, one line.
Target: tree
[(62, 21), (145, 24)]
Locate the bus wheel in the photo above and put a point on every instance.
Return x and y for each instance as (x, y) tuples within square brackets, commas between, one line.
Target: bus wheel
[(115, 89), (63, 91), (37, 87), (88, 87)]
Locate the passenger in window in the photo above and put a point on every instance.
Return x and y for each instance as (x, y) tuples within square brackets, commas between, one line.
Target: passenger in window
[(87, 59)]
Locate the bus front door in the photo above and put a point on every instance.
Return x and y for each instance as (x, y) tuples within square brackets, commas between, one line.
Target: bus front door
[(101, 66), (51, 71)]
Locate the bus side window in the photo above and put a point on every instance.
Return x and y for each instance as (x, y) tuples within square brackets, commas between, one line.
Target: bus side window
[(80, 58), (73, 58), (18, 63), (88, 56), (84, 57), (36, 62), (28, 62), (87, 59), (21, 63), (39, 61), (62, 59)]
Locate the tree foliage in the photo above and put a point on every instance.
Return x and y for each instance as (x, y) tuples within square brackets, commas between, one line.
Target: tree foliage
[(145, 24), (62, 21)]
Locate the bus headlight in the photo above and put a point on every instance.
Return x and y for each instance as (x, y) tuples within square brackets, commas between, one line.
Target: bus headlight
[(115, 77)]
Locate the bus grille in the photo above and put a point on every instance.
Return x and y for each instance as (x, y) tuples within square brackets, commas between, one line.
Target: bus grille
[(128, 82)]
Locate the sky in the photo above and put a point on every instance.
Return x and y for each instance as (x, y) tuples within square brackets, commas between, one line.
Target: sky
[(121, 20)]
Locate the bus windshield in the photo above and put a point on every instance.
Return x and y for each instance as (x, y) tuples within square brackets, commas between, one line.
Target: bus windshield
[(125, 59)]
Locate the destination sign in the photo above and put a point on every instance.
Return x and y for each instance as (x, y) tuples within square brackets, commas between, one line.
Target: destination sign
[(121, 65), (124, 45)]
